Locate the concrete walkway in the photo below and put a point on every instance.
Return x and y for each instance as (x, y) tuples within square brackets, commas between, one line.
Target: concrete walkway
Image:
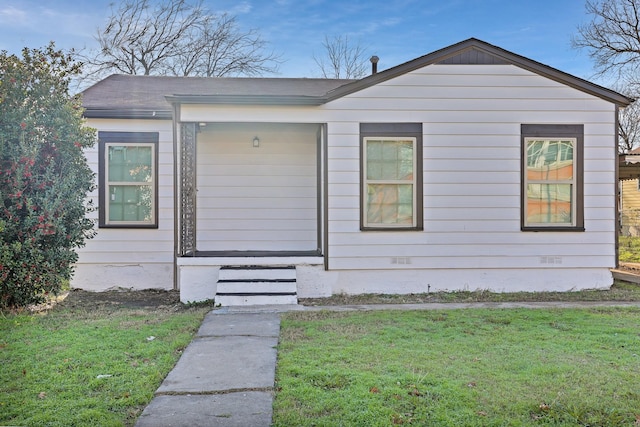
[(226, 376)]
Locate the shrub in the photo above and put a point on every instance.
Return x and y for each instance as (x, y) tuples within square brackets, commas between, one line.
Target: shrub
[(44, 176)]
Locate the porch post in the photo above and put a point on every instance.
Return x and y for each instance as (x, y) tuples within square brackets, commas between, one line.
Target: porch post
[(187, 194)]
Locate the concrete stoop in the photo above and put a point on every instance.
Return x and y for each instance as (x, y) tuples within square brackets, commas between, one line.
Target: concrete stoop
[(256, 285)]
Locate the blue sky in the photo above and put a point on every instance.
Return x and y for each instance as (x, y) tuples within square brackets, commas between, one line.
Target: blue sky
[(395, 30)]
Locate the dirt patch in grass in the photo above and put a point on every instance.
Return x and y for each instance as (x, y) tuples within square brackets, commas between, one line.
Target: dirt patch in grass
[(151, 299), (620, 291), (157, 299)]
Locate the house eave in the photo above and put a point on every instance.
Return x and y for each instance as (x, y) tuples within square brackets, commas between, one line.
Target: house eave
[(247, 100), (126, 113)]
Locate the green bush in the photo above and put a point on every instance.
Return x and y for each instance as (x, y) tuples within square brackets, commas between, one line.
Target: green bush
[(44, 176)]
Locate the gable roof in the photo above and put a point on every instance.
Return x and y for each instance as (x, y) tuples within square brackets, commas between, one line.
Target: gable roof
[(474, 51), (125, 96)]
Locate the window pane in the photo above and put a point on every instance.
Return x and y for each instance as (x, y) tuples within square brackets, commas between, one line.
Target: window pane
[(390, 204), (374, 159), (406, 160), (549, 203), (130, 203), (116, 163), (130, 164), (405, 204), (389, 160), (550, 160)]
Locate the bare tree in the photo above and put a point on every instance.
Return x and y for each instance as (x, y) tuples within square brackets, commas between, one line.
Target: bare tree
[(612, 37), (216, 48), (629, 128), (629, 120), (175, 37), (342, 59)]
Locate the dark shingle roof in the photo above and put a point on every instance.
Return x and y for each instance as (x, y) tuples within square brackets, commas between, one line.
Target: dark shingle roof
[(125, 96), (126, 92)]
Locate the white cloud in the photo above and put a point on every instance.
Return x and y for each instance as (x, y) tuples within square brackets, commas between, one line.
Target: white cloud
[(10, 15), (242, 8), (374, 26), (77, 24), (70, 24)]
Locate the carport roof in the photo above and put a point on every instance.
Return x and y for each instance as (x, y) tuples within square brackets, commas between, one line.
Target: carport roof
[(629, 165)]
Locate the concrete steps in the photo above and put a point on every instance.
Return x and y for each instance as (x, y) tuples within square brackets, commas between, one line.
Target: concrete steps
[(256, 285)]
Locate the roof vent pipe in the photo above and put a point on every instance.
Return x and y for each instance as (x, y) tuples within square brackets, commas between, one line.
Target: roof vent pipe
[(374, 64)]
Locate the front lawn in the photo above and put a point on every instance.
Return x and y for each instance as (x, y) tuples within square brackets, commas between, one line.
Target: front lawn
[(474, 367), (96, 366)]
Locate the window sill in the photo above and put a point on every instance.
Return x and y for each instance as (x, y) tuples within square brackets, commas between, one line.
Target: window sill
[(547, 229), (391, 229), (151, 226)]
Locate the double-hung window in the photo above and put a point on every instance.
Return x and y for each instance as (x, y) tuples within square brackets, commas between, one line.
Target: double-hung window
[(552, 184), (128, 179), (391, 176)]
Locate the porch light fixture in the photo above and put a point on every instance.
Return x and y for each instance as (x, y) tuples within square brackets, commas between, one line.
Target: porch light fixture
[(256, 141)]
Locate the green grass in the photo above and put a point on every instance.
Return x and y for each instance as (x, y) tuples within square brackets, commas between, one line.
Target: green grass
[(475, 367), (88, 367), (629, 249)]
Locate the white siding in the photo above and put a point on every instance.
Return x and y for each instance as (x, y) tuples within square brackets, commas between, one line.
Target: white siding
[(132, 258), (471, 119), (257, 198), (471, 116)]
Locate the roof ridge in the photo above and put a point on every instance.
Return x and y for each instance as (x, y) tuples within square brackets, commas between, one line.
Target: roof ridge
[(139, 76)]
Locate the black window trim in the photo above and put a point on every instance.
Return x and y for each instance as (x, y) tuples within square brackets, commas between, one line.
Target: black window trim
[(410, 130), (554, 131), (106, 137)]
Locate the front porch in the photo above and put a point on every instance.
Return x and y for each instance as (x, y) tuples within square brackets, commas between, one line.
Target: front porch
[(248, 211)]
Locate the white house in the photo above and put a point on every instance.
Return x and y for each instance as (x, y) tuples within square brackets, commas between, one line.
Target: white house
[(468, 168)]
